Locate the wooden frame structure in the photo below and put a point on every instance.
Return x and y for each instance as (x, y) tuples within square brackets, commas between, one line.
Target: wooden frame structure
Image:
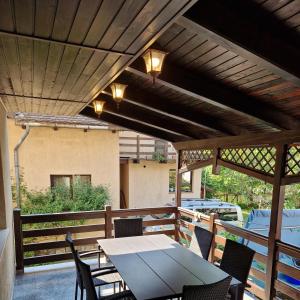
[(273, 158)]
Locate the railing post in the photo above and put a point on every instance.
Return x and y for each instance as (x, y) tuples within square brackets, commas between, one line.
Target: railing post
[(108, 222), (18, 240), (212, 228), (177, 225)]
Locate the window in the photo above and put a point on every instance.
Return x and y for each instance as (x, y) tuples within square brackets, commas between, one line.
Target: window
[(186, 184), (67, 180)]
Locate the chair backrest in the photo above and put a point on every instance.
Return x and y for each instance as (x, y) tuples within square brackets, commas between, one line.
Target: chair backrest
[(201, 242), (87, 280), (236, 260), (70, 242), (215, 291), (128, 227)]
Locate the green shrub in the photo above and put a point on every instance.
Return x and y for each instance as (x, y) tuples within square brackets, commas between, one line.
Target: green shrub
[(80, 197)]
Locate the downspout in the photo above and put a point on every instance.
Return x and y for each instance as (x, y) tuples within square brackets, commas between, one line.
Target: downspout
[(17, 165)]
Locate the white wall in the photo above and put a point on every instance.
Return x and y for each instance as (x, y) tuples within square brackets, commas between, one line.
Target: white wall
[(149, 184), (7, 257)]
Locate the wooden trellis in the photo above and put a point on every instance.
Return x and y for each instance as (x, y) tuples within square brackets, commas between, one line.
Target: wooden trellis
[(274, 158)]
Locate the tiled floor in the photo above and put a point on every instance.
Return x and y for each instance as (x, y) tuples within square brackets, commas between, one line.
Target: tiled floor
[(50, 284), (53, 282)]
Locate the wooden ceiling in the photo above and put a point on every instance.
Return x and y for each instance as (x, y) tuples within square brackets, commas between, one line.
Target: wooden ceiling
[(233, 66), (57, 55)]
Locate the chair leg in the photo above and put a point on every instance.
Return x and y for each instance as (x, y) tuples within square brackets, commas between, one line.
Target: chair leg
[(76, 290), (81, 294)]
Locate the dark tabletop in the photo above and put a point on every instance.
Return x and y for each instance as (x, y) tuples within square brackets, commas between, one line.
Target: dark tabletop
[(155, 266)]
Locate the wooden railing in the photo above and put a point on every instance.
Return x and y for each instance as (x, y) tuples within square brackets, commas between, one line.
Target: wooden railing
[(103, 229), (181, 231), (145, 147), (218, 227)]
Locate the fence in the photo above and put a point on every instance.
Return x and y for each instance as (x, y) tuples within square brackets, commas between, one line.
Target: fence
[(181, 230)]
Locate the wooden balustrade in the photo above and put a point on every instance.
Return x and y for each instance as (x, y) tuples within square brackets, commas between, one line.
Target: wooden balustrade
[(181, 230), (102, 229), (218, 227)]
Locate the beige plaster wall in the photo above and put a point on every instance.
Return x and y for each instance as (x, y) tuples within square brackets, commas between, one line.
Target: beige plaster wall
[(67, 152), (149, 184), (7, 266)]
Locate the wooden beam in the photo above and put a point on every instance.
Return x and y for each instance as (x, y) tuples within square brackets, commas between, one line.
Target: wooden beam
[(134, 125), (283, 137), (220, 95), (178, 181), (244, 170), (196, 165), (177, 111), (152, 118), (255, 34), (275, 219)]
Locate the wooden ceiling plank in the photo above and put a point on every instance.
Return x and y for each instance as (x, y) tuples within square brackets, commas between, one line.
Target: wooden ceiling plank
[(243, 39), (220, 95)]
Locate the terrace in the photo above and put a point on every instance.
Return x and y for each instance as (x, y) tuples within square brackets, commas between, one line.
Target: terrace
[(227, 95)]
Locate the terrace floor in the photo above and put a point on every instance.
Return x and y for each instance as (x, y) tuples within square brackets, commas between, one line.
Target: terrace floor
[(49, 282), (53, 282)]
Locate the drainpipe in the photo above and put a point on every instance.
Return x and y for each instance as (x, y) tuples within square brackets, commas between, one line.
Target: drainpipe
[(17, 165)]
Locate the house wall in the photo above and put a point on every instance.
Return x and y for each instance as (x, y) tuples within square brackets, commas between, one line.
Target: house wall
[(7, 257), (149, 184), (67, 151)]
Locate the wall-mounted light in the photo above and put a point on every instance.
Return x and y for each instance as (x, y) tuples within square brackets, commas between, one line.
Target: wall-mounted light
[(98, 106), (154, 61), (118, 90)]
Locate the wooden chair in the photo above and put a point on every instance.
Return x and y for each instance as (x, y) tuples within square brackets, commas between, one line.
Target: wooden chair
[(214, 291), (128, 227), (201, 242), (236, 261)]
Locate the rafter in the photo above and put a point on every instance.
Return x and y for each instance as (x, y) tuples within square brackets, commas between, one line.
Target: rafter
[(179, 112), (218, 94), (137, 113), (135, 125), (254, 34)]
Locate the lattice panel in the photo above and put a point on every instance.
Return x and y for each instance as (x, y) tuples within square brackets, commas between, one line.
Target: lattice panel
[(191, 156), (256, 158), (293, 161)]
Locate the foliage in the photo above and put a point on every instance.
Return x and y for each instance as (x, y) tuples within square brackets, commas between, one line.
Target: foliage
[(159, 157), (61, 198), (246, 191)]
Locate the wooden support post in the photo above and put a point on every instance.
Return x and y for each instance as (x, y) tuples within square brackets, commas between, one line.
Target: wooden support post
[(18, 240), (215, 166), (166, 151), (108, 222), (213, 229), (138, 148), (276, 219), (178, 181), (178, 194)]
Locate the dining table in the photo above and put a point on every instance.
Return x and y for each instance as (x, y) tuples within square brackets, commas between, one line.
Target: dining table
[(157, 267)]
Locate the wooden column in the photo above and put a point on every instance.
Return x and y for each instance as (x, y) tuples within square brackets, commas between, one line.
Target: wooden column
[(178, 181), (178, 195), (18, 240), (138, 148), (108, 222), (215, 166), (276, 219)]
